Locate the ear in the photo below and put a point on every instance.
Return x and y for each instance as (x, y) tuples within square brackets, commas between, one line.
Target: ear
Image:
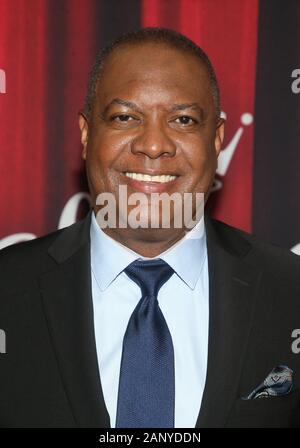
[(84, 129), (219, 137)]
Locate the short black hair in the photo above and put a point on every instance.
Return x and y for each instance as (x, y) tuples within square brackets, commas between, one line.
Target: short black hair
[(149, 35)]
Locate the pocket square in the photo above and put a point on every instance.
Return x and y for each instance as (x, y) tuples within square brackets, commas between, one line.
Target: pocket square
[(278, 382)]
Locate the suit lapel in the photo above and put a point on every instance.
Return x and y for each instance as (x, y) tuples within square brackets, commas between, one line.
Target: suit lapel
[(67, 299), (232, 286)]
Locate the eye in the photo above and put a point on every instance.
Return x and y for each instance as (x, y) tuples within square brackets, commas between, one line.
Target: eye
[(122, 118), (185, 120)]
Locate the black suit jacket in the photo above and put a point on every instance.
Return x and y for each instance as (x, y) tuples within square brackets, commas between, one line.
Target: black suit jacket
[(49, 374)]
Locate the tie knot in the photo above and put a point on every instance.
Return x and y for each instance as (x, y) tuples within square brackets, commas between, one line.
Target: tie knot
[(150, 275)]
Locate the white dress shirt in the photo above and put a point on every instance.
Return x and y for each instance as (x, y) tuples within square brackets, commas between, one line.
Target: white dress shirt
[(184, 302)]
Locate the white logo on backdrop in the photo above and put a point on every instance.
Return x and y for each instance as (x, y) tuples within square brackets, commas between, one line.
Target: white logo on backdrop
[(227, 153)]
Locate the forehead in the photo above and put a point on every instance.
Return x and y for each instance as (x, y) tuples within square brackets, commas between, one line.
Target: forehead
[(153, 67)]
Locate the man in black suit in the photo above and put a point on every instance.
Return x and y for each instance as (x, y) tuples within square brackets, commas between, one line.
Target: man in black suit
[(152, 109)]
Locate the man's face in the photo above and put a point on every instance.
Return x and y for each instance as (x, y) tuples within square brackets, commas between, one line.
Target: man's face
[(154, 114)]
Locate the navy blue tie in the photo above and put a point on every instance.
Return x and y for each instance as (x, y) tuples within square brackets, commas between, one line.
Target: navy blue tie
[(146, 397)]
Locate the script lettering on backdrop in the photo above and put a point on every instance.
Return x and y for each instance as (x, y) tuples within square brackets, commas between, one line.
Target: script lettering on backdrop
[(67, 217)]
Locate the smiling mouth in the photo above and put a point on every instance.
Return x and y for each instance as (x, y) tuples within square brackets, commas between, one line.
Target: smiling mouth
[(141, 177)]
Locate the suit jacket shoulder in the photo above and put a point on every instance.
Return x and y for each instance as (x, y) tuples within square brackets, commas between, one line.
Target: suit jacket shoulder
[(22, 263), (273, 259)]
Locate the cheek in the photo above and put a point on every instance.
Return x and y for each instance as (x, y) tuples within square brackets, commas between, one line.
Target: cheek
[(107, 148), (200, 157), (102, 176), (206, 167), (97, 167), (202, 162), (100, 152)]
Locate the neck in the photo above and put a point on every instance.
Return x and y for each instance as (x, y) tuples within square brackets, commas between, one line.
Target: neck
[(147, 245)]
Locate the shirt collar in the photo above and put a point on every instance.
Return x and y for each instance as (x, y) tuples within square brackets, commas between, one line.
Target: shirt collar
[(186, 256)]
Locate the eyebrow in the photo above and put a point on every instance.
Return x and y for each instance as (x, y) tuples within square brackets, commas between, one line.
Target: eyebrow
[(119, 102), (133, 106), (185, 106)]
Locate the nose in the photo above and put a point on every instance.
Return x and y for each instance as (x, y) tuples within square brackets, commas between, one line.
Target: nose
[(153, 142)]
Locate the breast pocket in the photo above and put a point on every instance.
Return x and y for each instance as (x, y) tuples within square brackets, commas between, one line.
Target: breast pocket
[(272, 412)]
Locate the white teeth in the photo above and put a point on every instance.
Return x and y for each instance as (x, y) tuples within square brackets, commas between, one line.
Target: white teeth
[(147, 178)]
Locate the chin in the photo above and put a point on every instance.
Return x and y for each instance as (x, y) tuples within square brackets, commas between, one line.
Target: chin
[(157, 235)]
